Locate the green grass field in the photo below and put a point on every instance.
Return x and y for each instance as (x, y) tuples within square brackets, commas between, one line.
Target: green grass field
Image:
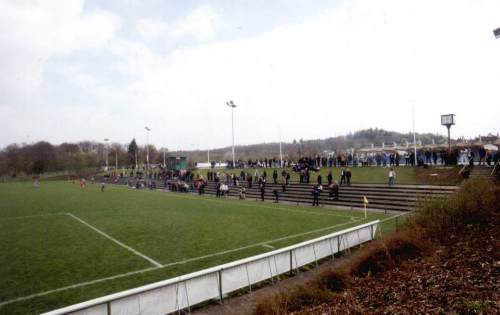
[(50, 240)]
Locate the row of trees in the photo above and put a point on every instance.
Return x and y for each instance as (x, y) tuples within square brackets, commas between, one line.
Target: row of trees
[(42, 157), (298, 148)]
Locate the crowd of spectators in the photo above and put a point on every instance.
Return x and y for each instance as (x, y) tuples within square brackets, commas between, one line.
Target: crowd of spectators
[(386, 158)]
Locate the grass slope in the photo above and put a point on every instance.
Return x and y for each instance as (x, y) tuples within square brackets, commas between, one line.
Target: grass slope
[(374, 175)]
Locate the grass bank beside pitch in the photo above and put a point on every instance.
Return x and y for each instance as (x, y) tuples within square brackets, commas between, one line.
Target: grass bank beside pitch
[(42, 248), (433, 175)]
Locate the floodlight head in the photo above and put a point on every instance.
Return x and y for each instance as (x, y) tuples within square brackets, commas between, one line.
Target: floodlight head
[(147, 128), (231, 104), (496, 32)]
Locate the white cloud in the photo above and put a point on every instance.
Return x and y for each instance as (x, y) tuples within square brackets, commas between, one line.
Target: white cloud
[(200, 24), (34, 32), (361, 64), (54, 27), (356, 66), (151, 29)]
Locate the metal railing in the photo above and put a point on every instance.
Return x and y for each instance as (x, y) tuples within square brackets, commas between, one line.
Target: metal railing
[(214, 283), (495, 168)]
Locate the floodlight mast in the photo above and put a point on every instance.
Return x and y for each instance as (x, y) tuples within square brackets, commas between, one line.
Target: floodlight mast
[(281, 156), (232, 106), (147, 146), (496, 32), (164, 159), (414, 135), (448, 120), (106, 150)]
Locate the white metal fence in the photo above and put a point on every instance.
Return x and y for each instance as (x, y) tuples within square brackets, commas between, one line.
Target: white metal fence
[(213, 283)]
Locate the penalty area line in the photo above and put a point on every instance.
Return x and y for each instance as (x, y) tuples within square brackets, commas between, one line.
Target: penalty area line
[(130, 249), (32, 216)]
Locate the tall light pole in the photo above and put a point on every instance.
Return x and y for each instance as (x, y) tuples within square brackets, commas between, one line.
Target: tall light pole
[(147, 146), (281, 151), (233, 106), (106, 150), (116, 159), (448, 121), (281, 156), (414, 135), (164, 159)]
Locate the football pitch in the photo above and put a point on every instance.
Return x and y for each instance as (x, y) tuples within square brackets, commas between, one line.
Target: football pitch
[(61, 244)]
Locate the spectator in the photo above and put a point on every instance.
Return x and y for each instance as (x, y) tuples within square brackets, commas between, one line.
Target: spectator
[(276, 195), (262, 187), (334, 190), (242, 193), (217, 190), (315, 194), (329, 178), (392, 177), (342, 176)]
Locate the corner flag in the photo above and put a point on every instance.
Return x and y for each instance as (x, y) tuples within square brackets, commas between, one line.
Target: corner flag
[(365, 202)]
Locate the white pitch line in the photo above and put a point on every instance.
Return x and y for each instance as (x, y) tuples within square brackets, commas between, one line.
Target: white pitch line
[(155, 263), (259, 244), (82, 284), (394, 216), (73, 286), (32, 216), (268, 246)]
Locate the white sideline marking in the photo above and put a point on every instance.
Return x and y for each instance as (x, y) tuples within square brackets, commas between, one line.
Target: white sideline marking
[(155, 263), (32, 216), (28, 297), (268, 246), (258, 244), (395, 216), (82, 284)]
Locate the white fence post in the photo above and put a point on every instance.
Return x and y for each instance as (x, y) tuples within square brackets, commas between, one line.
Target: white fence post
[(219, 274)]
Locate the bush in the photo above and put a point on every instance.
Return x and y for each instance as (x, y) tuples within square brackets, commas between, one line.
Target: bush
[(475, 203)]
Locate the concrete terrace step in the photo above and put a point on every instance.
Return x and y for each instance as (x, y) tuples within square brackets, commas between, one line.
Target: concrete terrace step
[(358, 204), (380, 196), (387, 191), (445, 189), (357, 200), (373, 195)]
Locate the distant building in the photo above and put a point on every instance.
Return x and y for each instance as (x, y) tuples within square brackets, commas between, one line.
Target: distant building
[(177, 163)]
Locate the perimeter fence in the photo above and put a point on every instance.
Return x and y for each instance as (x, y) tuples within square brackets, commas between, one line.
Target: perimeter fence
[(182, 293)]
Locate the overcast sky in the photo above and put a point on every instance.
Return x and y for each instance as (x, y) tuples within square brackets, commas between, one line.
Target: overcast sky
[(74, 70)]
